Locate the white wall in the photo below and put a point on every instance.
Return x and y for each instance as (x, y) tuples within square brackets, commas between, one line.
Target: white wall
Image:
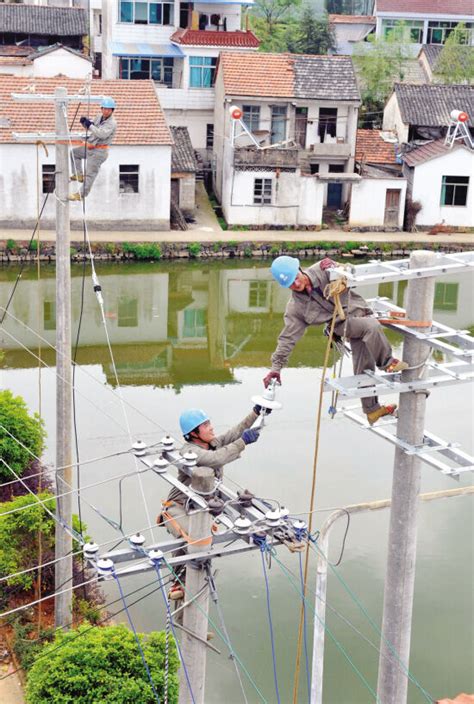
[(427, 180), (196, 122), (392, 119), (368, 201), (62, 62), (17, 69), (106, 207)]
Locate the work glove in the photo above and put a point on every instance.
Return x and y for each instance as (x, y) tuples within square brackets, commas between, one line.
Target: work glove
[(85, 122), (250, 435), (327, 263), (258, 409), (270, 376)]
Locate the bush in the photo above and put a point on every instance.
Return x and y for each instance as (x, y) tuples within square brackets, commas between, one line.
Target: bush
[(103, 665), (194, 249), (27, 429), (144, 251), (11, 245)]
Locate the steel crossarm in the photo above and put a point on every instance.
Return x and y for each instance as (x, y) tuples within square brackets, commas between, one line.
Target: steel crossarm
[(379, 272), (168, 477)]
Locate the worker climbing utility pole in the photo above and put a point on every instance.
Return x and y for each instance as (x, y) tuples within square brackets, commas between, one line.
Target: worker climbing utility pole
[(195, 617), (63, 541), (401, 561)]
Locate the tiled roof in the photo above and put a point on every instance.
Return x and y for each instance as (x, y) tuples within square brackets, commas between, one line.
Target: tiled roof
[(40, 19), (14, 61), (371, 148), (430, 105), (13, 50), (428, 151), (182, 154), (426, 7), (413, 71), (140, 119), (201, 37), (351, 19), (431, 52), (460, 699), (42, 51), (289, 76)]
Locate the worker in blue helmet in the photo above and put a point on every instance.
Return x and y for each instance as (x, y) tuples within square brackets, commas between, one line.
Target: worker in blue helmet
[(212, 451), (89, 157), (309, 306)]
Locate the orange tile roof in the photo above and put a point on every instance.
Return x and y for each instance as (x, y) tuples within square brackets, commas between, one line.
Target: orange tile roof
[(202, 37), (460, 699), (258, 74), (371, 148), (14, 61), (139, 116), (351, 19)]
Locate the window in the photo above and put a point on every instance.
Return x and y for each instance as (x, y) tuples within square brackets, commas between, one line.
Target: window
[(314, 168), (454, 190), (408, 30), (446, 296), (185, 9), (439, 31), (202, 71), (258, 294), (127, 313), (48, 178), (49, 315), (194, 322), (146, 12), (278, 124), (327, 122), (209, 136), (160, 69), (251, 116), (128, 179), (262, 191), (336, 168)]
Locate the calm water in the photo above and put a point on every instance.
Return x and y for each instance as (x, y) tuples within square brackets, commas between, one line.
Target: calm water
[(201, 334)]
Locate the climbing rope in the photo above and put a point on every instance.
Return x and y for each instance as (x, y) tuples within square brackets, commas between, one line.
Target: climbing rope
[(167, 654)]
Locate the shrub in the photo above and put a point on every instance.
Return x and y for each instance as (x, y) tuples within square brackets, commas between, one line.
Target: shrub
[(11, 245), (194, 249), (102, 665), (247, 252), (143, 251), (24, 646), (27, 429)]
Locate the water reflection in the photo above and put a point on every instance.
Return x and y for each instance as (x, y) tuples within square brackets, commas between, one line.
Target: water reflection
[(175, 324)]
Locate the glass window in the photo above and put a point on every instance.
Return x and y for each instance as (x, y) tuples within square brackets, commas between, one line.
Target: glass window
[(48, 177), (439, 31), (454, 190), (209, 136), (155, 13), (127, 313), (327, 123), (410, 30), (258, 293), (202, 71), (278, 124), (251, 116), (128, 178), (262, 191), (146, 12), (49, 315), (160, 69), (446, 296), (126, 11), (194, 322)]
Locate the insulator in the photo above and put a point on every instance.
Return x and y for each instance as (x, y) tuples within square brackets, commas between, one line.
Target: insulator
[(190, 459), (90, 550), (139, 448), (273, 518), (284, 512), (161, 465), (167, 442), (242, 525), (245, 497), (137, 540), (215, 506), (300, 528), (155, 556), (105, 567)]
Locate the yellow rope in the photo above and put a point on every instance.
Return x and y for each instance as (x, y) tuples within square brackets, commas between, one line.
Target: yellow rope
[(334, 290)]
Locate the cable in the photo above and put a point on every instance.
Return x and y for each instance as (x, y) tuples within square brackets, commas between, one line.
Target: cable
[(305, 638), (263, 547)]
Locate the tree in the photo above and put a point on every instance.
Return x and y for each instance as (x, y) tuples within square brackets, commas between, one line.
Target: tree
[(27, 431), (102, 665), (273, 21), (315, 35), (455, 63)]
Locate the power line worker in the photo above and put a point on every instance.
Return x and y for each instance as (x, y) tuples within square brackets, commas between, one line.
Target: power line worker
[(95, 150), (308, 306), (211, 451)]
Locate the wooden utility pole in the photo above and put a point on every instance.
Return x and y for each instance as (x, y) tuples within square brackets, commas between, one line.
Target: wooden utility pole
[(63, 542), (195, 617), (401, 561)]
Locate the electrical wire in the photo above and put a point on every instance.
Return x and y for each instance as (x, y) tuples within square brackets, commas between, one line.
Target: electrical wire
[(270, 622), (305, 635)]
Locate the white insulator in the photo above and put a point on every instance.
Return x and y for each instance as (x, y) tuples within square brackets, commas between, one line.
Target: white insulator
[(90, 550), (242, 525), (190, 459), (137, 540), (105, 567), (160, 465), (285, 512), (139, 448), (265, 402), (299, 525), (167, 442), (155, 556), (273, 518)]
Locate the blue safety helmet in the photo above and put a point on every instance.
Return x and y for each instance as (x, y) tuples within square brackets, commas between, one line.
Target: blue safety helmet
[(284, 270), (108, 102), (189, 420)]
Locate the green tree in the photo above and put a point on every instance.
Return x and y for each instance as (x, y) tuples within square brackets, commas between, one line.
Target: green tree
[(455, 63), (26, 429), (315, 35), (102, 665), (274, 22)]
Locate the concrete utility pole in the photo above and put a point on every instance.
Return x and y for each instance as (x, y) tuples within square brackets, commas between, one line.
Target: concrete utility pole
[(401, 562), (63, 551), (195, 617)]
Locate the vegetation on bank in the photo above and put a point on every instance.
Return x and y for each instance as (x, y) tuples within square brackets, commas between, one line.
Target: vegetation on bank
[(28, 433)]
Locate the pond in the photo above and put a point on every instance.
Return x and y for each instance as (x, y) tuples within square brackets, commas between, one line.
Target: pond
[(201, 334)]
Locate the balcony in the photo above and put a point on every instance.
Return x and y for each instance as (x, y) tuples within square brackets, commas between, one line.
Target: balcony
[(249, 158), (237, 39), (338, 148)]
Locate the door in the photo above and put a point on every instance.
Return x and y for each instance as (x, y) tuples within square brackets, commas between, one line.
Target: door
[(278, 126), (334, 195), (392, 206), (301, 123)]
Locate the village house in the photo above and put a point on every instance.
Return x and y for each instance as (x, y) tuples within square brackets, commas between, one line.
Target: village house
[(183, 171), (303, 111), (132, 189), (350, 30), (41, 26), (54, 60), (176, 44)]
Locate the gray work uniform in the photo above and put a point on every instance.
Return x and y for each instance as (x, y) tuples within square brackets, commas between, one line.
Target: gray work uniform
[(95, 151), (369, 345), (225, 448)]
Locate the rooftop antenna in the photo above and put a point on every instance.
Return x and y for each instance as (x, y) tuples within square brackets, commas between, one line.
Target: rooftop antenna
[(458, 129)]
